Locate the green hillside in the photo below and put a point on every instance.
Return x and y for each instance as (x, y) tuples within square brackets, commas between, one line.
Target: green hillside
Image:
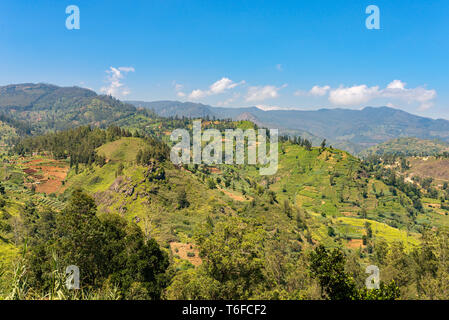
[(7, 134), (407, 147), (124, 149), (206, 232), (49, 107)]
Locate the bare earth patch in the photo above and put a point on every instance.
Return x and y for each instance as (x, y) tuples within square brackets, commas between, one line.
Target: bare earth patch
[(183, 250), (48, 174), (355, 243), (215, 170), (234, 196)]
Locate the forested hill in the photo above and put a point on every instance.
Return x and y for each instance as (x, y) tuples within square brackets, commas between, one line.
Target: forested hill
[(49, 107)]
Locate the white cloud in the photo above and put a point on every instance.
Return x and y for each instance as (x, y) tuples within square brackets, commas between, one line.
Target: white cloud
[(268, 107), (359, 94), (217, 87), (222, 85), (178, 89), (300, 93), (425, 106), (197, 94), (115, 86), (395, 90), (396, 84), (392, 105), (315, 91), (353, 95), (319, 91), (263, 93), (126, 69)]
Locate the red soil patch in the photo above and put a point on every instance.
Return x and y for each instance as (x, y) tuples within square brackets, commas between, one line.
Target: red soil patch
[(29, 171), (182, 250), (51, 174), (355, 243), (214, 170), (33, 161), (234, 196)]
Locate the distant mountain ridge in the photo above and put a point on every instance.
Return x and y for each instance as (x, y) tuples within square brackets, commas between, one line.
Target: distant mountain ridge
[(199, 110), (50, 107), (348, 129)]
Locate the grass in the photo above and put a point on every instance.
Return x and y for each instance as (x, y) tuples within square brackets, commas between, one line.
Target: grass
[(124, 149), (356, 228), (8, 252)]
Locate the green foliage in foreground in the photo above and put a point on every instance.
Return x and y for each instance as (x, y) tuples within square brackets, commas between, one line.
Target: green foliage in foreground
[(336, 284), (109, 252), (235, 267)]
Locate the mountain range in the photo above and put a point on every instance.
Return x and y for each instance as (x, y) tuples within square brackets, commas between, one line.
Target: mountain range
[(351, 130), (50, 107)]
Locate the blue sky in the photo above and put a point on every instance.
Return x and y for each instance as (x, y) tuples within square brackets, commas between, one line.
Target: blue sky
[(273, 54)]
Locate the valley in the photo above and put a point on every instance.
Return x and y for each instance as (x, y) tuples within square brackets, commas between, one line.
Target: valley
[(219, 231)]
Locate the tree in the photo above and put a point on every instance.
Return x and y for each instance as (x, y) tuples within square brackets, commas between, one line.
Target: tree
[(323, 144), (104, 249), (233, 261), (211, 183), (120, 169), (182, 199), (369, 231), (388, 291), (81, 236), (329, 268), (307, 144), (135, 264), (272, 197), (287, 209)]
